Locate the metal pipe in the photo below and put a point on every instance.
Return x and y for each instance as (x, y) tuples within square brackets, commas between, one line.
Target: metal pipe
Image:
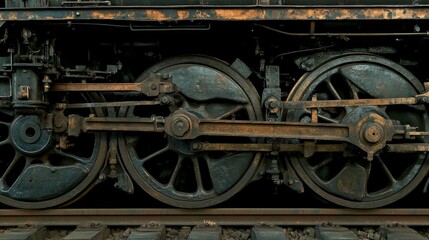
[(345, 34)]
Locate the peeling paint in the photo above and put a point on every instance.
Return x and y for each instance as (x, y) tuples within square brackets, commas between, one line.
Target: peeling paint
[(251, 14), (220, 13), (156, 15), (105, 15), (12, 16), (182, 15), (202, 15)]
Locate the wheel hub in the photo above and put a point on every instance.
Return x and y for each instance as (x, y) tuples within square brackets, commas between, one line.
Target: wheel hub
[(371, 129), (373, 133), (28, 137)]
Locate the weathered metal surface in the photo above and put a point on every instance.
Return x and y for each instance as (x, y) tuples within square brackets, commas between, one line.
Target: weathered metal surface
[(221, 13), (269, 147), (196, 127), (45, 175), (111, 104), (222, 216), (265, 147), (349, 103), (371, 128), (212, 90), (152, 87), (115, 124), (351, 78)]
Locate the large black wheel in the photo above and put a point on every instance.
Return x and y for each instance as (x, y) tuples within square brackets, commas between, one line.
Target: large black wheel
[(167, 168), (34, 172), (352, 180)]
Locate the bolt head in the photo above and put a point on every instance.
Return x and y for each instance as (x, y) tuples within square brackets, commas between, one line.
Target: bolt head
[(180, 126)]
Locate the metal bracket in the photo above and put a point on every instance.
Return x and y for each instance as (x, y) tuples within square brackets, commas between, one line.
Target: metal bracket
[(271, 95)]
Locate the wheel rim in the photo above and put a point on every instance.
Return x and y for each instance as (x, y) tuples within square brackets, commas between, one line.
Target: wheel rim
[(353, 181), (34, 173), (166, 168)]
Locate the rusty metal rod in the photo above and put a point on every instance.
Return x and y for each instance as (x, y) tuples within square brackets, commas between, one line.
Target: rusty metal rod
[(264, 147), (408, 147), (315, 131), (350, 103), (119, 124), (111, 104), (96, 87), (284, 147), (345, 34)]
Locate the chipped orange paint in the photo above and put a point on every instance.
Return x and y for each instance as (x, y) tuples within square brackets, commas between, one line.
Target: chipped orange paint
[(250, 14), (404, 13), (235, 13), (156, 15), (202, 15), (12, 16), (101, 15), (183, 14)]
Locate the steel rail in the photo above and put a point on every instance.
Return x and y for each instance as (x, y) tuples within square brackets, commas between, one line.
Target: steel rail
[(221, 216)]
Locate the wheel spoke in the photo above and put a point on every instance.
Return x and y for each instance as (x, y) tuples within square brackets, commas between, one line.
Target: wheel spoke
[(85, 162), (4, 142), (230, 112), (175, 171), (328, 119), (322, 164), (155, 154), (353, 89), (333, 90), (5, 123), (16, 158), (386, 170), (198, 177), (336, 95)]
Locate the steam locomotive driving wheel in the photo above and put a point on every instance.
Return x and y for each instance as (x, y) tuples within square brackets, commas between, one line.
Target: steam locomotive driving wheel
[(167, 168), (35, 171), (349, 178)]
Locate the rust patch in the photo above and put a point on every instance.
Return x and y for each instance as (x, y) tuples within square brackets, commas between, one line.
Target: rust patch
[(131, 15), (156, 15), (376, 13), (241, 14), (343, 14), (13, 16), (101, 15), (404, 13), (183, 15), (202, 15)]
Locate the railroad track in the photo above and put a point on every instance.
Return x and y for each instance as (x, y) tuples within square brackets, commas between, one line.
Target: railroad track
[(262, 222)]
